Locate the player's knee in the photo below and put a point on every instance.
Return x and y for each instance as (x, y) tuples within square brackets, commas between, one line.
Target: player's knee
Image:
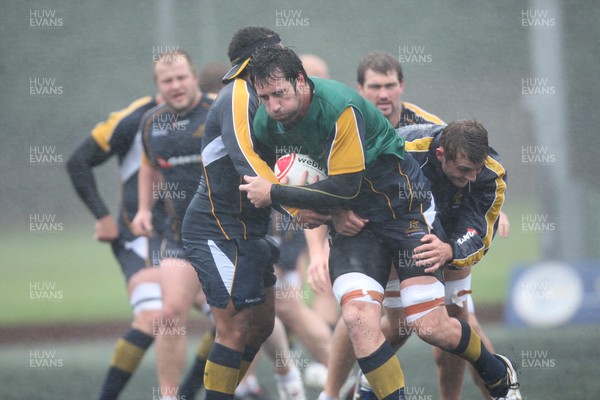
[(361, 316), (146, 321), (231, 335), (174, 312)]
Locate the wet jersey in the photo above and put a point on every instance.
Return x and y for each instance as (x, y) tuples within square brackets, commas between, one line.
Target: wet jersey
[(172, 144), (229, 150), (117, 136), (469, 215), (346, 134)]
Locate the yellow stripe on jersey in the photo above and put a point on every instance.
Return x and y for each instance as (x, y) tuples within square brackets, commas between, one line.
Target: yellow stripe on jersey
[(347, 155), (419, 145), (241, 126), (103, 131), (423, 114), (212, 204), (389, 203), (490, 216), (407, 183)]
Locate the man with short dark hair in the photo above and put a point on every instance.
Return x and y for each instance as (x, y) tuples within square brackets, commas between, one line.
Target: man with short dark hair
[(225, 235), (381, 81)]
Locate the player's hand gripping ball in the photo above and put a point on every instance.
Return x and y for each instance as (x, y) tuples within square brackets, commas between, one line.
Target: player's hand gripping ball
[(292, 166)]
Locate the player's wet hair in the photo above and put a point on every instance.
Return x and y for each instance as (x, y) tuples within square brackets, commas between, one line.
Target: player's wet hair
[(467, 137), (380, 62), (243, 44), (170, 57), (276, 63)]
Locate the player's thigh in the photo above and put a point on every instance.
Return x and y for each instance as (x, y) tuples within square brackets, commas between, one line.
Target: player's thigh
[(363, 253), (179, 283)]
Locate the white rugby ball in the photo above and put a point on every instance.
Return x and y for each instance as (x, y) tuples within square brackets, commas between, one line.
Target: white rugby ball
[(293, 165)]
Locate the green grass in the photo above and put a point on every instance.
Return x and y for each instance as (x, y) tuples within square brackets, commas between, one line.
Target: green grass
[(78, 269), (547, 368), (93, 289), (491, 275)]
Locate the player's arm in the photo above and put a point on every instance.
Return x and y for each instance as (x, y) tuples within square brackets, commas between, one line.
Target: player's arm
[(141, 225), (346, 163), (478, 216), (318, 253), (80, 169)]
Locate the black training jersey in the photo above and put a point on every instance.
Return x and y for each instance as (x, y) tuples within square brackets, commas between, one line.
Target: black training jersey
[(172, 144), (114, 137), (229, 150), (412, 115), (468, 215)]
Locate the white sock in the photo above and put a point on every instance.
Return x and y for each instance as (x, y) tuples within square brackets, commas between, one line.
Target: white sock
[(291, 376), (242, 390), (252, 384), (324, 396), (248, 386)]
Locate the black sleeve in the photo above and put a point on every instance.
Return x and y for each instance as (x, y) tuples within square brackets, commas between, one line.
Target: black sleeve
[(79, 167), (335, 192)]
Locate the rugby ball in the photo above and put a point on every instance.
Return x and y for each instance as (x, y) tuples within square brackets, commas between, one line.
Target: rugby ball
[(293, 166)]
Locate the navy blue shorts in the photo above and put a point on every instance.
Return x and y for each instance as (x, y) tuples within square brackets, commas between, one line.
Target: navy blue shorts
[(233, 270), (379, 246), (132, 254)]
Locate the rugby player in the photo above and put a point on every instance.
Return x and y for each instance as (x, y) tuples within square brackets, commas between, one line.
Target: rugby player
[(342, 130), (380, 80), (170, 170), (117, 137), (225, 235)]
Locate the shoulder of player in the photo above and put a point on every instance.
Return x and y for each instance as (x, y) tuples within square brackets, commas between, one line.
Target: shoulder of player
[(236, 90), (421, 116), (493, 165), (420, 137), (207, 100), (149, 114), (122, 123), (134, 116)]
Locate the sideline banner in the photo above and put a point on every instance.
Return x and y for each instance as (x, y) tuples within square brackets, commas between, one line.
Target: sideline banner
[(553, 293)]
